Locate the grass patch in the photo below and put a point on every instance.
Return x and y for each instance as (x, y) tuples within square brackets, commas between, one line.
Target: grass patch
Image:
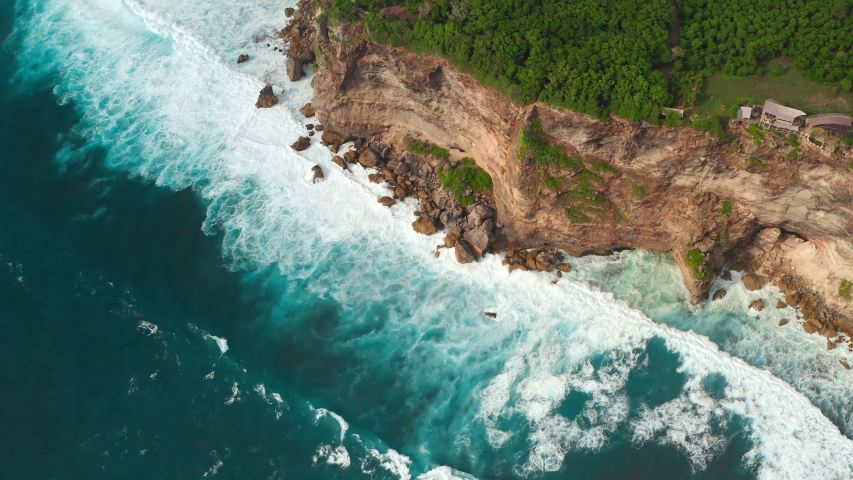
[(554, 183), (757, 142), (844, 290), (754, 130), (795, 153), (603, 167), (793, 141), (534, 143), (462, 180), (640, 191), (468, 161), (427, 149), (696, 261), (727, 208), (755, 161)]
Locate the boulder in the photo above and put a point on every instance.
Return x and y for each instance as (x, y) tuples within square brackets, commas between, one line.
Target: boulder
[(401, 168), (425, 225), (491, 314), (374, 178), (757, 305), (334, 147), (294, 69), (781, 304), (845, 364), (727, 276), (319, 128), (311, 133), (401, 192), (387, 201), (350, 156), (463, 251), (318, 173), (339, 162), (301, 144), (720, 294), (310, 126), (369, 158), (479, 238), (266, 99), (288, 12), (331, 137), (830, 345), (307, 110), (809, 328), (242, 58), (564, 268), (783, 322), (452, 237), (751, 282)]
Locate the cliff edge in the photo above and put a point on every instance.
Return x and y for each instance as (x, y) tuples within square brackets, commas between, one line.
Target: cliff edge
[(787, 220)]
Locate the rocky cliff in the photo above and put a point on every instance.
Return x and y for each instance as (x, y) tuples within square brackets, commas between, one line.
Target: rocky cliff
[(674, 190)]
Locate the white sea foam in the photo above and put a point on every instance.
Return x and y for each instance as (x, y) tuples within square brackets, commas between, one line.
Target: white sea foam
[(445, 473), (156, 81), (322, 412)]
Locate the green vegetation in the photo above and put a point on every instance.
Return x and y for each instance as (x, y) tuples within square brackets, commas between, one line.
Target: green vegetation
[(795, 153), (816, 141), (755, 130), (603, 167), (696, 261), (793, 141), (467, 161), (605, 58), (755, 161), (463, 180), (756, 142), (640, 191), (584, 199), (844, 290), (727, 208), (426, 149)]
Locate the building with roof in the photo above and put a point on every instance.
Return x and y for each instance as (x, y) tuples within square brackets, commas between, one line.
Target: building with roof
[(744, 113), (836, 123), (777, 115)]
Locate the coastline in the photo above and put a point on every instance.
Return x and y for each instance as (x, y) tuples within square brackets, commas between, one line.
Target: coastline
[(386, 98)]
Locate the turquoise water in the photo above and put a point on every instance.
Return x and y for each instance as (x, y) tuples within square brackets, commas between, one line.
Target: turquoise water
[(180, 301)]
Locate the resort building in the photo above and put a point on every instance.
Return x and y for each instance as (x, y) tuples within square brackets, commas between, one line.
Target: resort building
[(781, 117), (836, 123)]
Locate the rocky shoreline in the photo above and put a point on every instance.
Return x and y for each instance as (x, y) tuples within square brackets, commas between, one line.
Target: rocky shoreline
[(785, 221)]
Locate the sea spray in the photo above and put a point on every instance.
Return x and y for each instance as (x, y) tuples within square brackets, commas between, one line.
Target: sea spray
[(157, 86)]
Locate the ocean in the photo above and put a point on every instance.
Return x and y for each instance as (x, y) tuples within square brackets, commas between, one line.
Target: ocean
[(179, 300)]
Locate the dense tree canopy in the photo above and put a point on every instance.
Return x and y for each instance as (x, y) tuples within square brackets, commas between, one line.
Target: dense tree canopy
[(605, 56)]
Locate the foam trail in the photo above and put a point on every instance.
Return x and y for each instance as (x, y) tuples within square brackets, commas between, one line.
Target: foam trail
[(157, 91)]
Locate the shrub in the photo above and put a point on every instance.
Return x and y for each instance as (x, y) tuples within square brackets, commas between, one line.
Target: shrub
[(640, 191), (696, 262), (461, 180), (603, 167), (793, 141), (727, 208), (755, 161), (426, 149), (844, 290)]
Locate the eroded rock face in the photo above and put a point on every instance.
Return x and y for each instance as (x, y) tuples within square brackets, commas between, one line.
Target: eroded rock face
[(294, 69), (267, 98), (363, 90)]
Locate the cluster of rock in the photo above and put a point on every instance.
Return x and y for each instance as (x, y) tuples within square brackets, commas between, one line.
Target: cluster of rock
[(302, 40), (538, 259)]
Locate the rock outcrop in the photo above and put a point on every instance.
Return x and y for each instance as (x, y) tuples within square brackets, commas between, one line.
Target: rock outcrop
[(302, 144), (318, 173), (674, 190), (267, 98)]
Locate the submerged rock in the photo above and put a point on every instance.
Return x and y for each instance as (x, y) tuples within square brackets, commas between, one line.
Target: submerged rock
[(301, 144), (491, 314), (783, 322), (757, 305), (564, 268), (242, 58), (720, 294), (267, 98), (318, 173), (307, 110), (387, 201)]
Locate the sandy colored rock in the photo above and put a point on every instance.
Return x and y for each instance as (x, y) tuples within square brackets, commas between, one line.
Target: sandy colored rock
[(564, 268), (302, 144), (387, 201), (369, 158), (425, 225), (319, 128), (331, 137), (757, 305), (845, 364), (307, 110), (337, 160), (783, 322), (374, 178), (809, 328), (830, 345), (318, 173), (780, 304), (463, 251), (453, 235), (751, 282), (516, 266), (267, 98), (727, 276), (720, 294)]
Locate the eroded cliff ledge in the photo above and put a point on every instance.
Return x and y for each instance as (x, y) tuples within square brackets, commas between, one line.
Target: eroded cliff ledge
[(672, 190)]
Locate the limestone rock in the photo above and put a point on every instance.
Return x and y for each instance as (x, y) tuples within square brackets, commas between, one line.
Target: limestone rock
[(369, 158), (425, 225), (307, 110), (331, 137), (757, 305), (401, 192), (301, 144), (310, 126), (783, 322), (387, 201), (267, 98), (339, 162), (720, 294), (318, 173), (242, 58), (294, 69), (751, 282), (463, 252), (517, 266), (452, 237), (350, 156)]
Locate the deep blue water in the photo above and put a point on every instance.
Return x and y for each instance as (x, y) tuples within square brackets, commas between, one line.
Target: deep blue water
[(177, 301)]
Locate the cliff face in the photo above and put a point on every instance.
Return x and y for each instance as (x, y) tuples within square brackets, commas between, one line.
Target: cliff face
[(667, 186)]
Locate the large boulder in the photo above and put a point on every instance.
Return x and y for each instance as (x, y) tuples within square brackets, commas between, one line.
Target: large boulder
[(479, 239), (333, 138), (751, 282), (288, 12), (318, 173), (720, 294), (339, 162), (463, 252), (387, 201), (564, 267), (452, 237), (783, 322), (294, 69), (369, 158), (757, 305), (307, 110), (425, 225), (266, 99), (301, 144)]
